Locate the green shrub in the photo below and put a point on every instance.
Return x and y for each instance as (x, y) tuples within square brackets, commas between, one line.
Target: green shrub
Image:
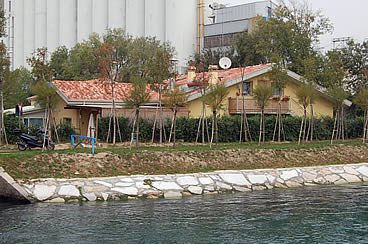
[(229, 127)]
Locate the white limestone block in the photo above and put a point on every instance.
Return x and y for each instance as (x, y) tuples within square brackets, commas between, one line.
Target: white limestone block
[(257, 179), (124, 184), (166, 186), (332, 178), (205, 180), (236, 179), (172, 195), (363, 170), (56, 200), (126, 179), (241, 188), (271, 178), (350, 178), (288, 174), (224, 186), (308, 177), (195, 190), (103, 183), (350, 170), (69, 190), (126, 190), (105, 196), (42, 192), (187, 180), (90, 196)]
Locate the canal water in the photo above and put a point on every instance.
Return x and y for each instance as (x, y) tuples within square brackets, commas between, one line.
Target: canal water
[(323, 214)]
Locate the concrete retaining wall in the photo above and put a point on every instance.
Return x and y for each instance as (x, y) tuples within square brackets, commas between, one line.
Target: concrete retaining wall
[(173, 186), (10, 190)]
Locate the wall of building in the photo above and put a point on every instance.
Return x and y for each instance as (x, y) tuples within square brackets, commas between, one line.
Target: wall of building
[(321, 107), (52, 23)]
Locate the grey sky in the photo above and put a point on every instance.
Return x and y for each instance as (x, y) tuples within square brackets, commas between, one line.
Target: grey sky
[(349, 18)]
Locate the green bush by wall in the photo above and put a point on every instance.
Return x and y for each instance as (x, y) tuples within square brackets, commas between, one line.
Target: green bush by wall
[(229, 127)]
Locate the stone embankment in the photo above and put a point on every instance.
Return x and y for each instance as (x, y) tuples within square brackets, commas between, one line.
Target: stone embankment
[(174, 186)]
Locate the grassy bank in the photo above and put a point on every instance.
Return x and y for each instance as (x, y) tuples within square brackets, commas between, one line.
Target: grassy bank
[(186, 158)]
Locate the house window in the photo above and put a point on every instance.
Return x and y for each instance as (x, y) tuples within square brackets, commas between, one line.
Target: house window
[(33, 122), (247, 88), (67, 121), (277, 92)]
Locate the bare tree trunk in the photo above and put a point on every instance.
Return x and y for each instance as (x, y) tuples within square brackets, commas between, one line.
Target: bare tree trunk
[(216, 126), (114, 114), (137, 131), (160, 116), (109, 130), (174, 132), (119, 132), (204, 109), (334, 128), (133, 129), (199, 128), (312, 127), (365, 124), (246, 125), (264, 127), (171, 127), (55, 129), (301, 127), (305, 124), (213, 130), (343, 122), (154, 125), (241, 122)]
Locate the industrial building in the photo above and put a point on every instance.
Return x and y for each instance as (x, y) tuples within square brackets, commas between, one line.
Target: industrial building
[(228, 21), (52, 23), (189, 25)]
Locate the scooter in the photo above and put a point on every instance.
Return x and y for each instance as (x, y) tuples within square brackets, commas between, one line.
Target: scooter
[(29, 141)]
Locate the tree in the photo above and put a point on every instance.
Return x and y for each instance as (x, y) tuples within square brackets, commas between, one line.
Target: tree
[(355, 59), (136, 97), (58, 59), (290, 33), (262, 94), (173, 99), (279, 78), (334, 75), (113, 57), (17, 87), (159, 69), (45, 92), (362, 100), (214, 98), (246, 54), (304, 94)]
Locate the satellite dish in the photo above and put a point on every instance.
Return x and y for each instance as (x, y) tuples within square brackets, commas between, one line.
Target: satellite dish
[(225, 63)]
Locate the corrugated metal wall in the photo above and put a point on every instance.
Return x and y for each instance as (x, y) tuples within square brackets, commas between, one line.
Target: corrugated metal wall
[(53, 23)]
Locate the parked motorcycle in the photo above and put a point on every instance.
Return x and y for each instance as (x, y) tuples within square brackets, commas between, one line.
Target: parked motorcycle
[(29, 141)]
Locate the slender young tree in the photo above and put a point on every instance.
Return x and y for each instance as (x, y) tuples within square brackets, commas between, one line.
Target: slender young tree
[(304, 95), (159, 69), (362, 101), (46, 93), (262, 94), (138, 95), (174, 98), (214, 98)]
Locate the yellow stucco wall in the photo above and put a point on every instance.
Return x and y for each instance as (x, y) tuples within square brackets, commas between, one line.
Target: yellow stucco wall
[(322, 106), (60, 113)]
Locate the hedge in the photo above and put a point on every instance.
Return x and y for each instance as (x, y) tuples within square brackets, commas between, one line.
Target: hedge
[(186, 128), (229, 127)]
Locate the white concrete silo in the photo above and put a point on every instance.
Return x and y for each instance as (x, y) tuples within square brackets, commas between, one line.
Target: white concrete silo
[(154, 17), (84, 16), (135, 10), (117, 14), (53, 28), (99, 16), (68, 22)]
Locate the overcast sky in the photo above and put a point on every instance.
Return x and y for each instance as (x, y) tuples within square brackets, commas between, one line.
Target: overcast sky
[(349, 18)]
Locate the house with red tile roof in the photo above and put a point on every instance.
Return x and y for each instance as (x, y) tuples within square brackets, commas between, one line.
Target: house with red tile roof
[(83, 101), (240, 83)]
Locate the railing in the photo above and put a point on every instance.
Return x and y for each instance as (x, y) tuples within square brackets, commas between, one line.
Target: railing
[(251, 106)]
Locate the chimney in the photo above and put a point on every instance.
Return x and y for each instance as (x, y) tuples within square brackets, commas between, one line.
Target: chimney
[(213, 74), (191, 73)]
